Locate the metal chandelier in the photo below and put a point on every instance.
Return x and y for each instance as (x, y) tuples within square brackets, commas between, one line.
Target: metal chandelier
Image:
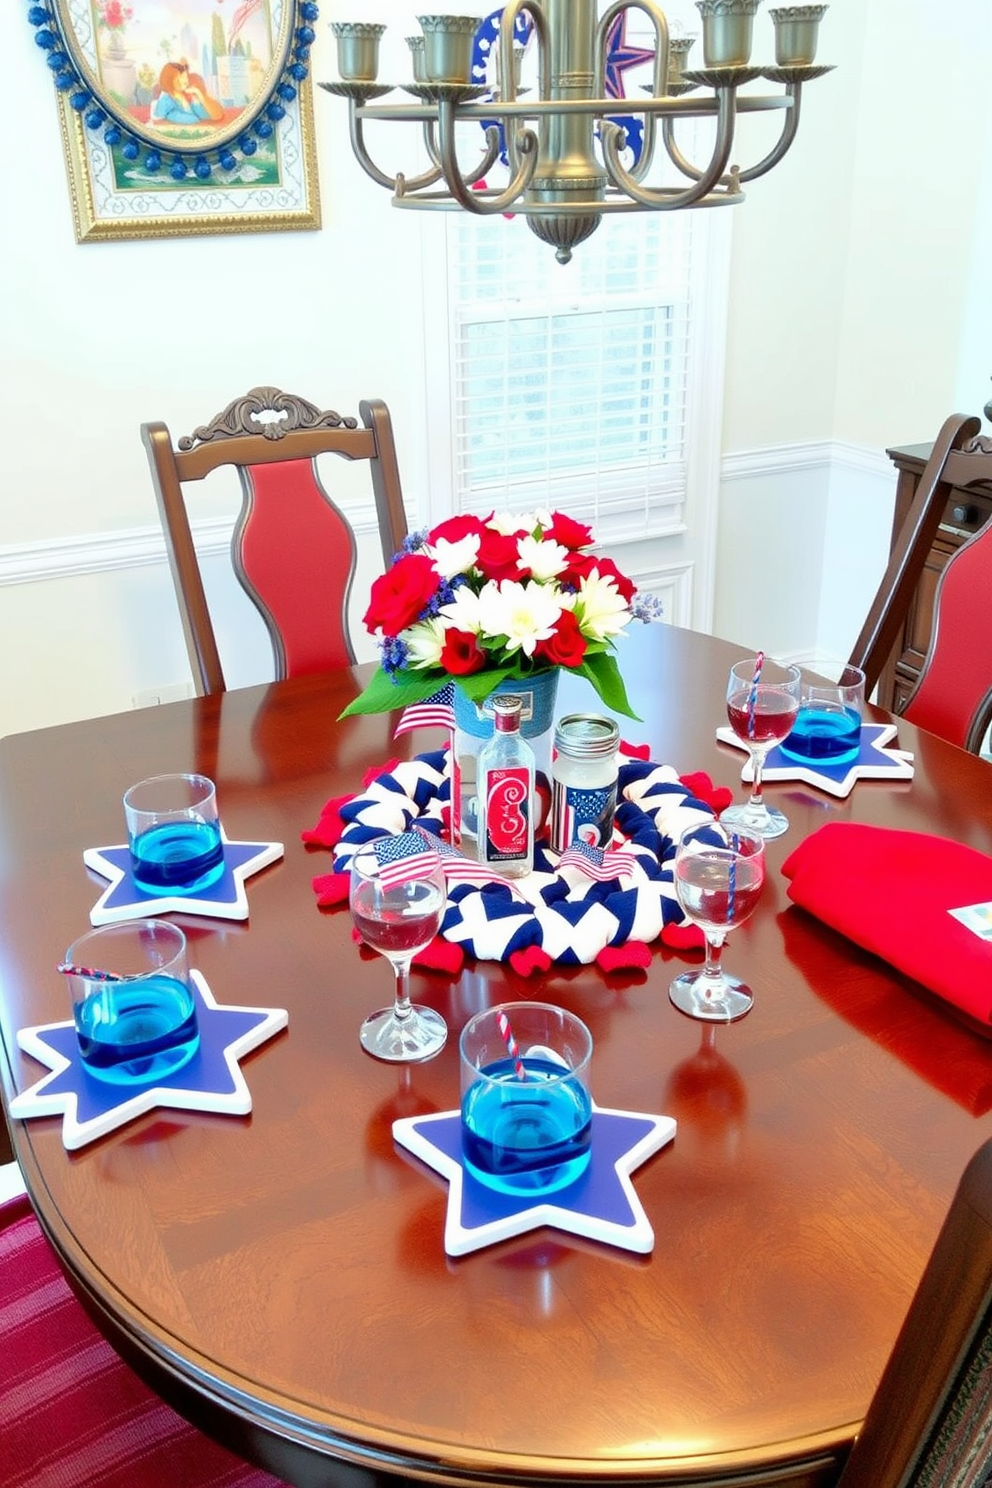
[(559, 180)]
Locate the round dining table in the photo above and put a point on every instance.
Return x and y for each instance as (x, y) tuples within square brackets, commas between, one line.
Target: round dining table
[(282, 1276)]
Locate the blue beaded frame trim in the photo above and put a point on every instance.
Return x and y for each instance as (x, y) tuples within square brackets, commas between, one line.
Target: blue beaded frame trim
[(56, 38)]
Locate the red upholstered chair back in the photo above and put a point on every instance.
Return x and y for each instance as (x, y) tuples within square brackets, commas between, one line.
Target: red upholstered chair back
[(72, 1413), (293, 549), (953, 696)]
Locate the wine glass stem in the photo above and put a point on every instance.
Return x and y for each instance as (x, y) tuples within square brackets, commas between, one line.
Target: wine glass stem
[(401, 1005), (712, 967)]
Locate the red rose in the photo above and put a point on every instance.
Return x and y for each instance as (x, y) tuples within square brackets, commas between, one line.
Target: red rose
[(461, 653), (454, 529), (580, 565), (498, 557), (566, 645), (401, 593), (608, 570), (568, 532)]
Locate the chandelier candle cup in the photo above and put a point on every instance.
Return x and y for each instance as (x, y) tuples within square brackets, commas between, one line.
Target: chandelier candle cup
[(827, 730), (135, 1017), (525, 1099), (358, 50), (173, 833), (796, 33), (448, 44), (584, 781), (727, 31)]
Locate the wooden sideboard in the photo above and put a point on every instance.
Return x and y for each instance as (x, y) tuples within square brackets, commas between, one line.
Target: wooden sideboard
[(965, 513)]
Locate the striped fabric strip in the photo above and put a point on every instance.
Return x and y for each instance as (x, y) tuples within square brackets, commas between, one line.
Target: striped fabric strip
[(72, 1414)]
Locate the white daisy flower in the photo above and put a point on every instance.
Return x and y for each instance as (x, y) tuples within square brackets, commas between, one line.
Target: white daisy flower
[(544, 559), (524, 613), (600, 608), (424, 643), (452, 558)]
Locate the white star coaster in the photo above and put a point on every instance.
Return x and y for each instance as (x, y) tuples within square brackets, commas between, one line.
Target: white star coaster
[(600, 1205), (875, 761), (211, 1081), (225, 900)]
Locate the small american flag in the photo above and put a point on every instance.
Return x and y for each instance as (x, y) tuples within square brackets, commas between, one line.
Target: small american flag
[(599, 863), (458, 869), (405, 858), (434, 712)]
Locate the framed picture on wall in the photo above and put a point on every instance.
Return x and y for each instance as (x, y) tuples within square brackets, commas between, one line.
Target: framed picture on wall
[(184, 117)]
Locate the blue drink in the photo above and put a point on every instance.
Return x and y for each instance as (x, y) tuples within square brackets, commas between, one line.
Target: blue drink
[(179, 857), (824, 736), (137, 1030), (526, 1136)]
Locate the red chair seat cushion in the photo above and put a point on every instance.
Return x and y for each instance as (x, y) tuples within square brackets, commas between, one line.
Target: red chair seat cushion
[(72, 1414)]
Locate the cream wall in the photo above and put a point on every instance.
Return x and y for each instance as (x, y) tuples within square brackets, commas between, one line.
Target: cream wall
[(858, 319)]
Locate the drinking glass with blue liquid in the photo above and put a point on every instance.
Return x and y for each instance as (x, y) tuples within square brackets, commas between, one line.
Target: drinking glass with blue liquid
[(525, 1099), (132, 1004), (827, 730), (173, 832)]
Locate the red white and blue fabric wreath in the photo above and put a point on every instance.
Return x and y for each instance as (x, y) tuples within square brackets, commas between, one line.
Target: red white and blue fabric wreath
[(567, 912)]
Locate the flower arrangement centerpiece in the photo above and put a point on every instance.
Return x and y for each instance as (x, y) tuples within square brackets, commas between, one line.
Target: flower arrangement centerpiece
[(483, 601), (113, 16)]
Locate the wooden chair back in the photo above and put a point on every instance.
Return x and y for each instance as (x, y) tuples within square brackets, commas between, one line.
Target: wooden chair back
[(930, 1419), (293, 549), (953, 696)]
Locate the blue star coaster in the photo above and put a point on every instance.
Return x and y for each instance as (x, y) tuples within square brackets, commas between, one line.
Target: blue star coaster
[(601, 1205), (211, 1081), (875, 761), (225, 900)]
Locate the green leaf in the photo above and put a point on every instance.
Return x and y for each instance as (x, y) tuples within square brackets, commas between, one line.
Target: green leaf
[(383, 694), (600, 668), (478, 685)]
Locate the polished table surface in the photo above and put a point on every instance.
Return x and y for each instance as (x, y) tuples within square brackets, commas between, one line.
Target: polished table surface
[(288, 1268)]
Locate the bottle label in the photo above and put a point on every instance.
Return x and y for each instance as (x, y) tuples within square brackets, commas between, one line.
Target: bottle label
[(507, 813), (581, 815)]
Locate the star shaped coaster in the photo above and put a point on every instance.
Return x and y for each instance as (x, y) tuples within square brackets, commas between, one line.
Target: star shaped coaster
[(875, 761), (211, 1081), (601, 1205), (225, 900)]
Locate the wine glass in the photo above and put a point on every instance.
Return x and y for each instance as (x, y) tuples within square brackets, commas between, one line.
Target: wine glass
[(762, 703), (718, 877), (398, 915)]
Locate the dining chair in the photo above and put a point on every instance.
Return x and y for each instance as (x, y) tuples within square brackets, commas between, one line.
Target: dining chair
[(72, 1413), (953, 694), (293, 549), (930, 1419)]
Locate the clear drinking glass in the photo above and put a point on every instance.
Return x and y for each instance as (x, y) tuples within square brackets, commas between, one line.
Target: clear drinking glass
[(762, 703), (398, 919), (718, 878)]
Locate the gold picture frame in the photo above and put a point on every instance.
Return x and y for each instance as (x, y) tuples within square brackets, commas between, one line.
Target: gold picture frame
[(137, 169)]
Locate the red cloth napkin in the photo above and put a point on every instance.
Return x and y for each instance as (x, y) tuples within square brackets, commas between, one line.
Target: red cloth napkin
[(890, 892)]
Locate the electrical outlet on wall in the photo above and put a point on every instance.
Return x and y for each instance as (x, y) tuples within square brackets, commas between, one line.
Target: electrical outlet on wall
[(172, 693)]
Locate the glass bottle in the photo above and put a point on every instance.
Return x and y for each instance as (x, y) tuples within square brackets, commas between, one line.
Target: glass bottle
[(506, 794)]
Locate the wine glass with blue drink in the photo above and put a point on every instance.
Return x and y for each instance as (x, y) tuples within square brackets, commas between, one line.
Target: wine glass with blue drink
[(762, 703), (397, 898), (719, 872)]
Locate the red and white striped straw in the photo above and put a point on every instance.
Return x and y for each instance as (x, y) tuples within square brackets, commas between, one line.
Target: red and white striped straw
[(512, 1047), (752, 697), (68, 969)]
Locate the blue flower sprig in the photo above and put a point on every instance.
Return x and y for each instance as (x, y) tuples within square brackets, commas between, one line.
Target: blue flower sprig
[(50, 38)]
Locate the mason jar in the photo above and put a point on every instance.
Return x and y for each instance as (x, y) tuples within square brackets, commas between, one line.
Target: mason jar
[(584, 780)]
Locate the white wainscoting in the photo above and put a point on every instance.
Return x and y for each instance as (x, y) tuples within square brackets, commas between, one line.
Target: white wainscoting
[(803, 536)]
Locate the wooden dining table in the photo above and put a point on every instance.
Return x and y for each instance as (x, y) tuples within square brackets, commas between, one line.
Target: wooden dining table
[(282, 1276)]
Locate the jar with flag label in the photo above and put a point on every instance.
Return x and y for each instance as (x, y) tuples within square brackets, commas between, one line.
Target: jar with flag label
[(584, 781), (506, 794)]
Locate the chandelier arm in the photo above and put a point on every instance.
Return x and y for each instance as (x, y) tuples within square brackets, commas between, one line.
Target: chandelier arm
[(460, 186), (789, 129), (507, 68), (659, 21), (704, 180), (371, 169)]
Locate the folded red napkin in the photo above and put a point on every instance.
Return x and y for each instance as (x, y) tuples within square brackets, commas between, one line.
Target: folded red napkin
[(890, 892)]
